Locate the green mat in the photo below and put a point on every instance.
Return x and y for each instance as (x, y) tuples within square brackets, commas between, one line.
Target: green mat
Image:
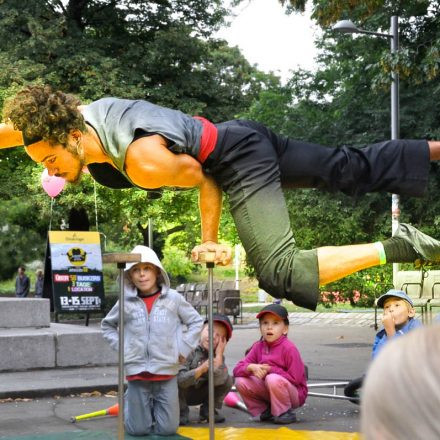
[(91, 435)]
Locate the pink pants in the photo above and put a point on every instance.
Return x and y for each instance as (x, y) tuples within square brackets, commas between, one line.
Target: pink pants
[(273, 390)]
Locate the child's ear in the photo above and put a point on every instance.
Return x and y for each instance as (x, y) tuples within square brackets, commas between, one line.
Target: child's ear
[(411, 312)]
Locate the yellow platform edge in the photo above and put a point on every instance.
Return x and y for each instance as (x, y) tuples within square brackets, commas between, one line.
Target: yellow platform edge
[(266, 434)]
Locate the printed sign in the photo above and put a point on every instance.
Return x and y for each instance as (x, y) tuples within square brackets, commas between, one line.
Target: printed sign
[(75, 266)]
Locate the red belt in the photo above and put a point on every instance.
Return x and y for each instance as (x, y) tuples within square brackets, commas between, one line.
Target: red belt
[(207, 140)]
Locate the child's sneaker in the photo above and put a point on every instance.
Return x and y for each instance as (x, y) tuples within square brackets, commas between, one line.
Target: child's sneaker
[(184, 416), (286, 418), (183, 420), (266, 415)]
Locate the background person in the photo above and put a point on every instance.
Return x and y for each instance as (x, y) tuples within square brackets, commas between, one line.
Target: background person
[(22, 283), (401, 394), (193, 375), (127, 143), (154, 342), (39, 284), (271, 378)]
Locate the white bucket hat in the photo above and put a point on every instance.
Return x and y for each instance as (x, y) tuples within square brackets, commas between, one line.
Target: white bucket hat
[(149, 256)]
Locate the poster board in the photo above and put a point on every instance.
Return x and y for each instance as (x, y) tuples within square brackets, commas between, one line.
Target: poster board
[(73, 271)]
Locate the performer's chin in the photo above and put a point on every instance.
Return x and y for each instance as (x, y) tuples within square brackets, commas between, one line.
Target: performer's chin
[(74, 179)]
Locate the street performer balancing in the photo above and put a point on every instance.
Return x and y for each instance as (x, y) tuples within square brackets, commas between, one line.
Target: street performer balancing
[(135, 143)]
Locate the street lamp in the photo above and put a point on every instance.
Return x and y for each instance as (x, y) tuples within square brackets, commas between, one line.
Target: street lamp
[(347, 27)]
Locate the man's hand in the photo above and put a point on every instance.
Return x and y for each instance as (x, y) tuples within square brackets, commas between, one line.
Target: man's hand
[(223, 253), (259, 370), (388, 324)]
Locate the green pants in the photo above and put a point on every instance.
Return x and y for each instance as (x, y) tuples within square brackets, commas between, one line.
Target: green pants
[(252, 165)]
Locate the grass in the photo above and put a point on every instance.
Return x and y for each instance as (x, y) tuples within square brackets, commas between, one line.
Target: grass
[(7, 287)]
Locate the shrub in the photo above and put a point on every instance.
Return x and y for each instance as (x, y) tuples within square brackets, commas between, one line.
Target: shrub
[(359, 289)]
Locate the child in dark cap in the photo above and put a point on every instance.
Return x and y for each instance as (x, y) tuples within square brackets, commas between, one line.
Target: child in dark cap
[(271, 378), (192, 378), (398, 317)]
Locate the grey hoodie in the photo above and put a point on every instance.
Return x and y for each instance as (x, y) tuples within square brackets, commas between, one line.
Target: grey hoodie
[(153, 342)]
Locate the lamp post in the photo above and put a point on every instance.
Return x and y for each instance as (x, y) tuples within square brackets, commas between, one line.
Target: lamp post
[(347, 26)]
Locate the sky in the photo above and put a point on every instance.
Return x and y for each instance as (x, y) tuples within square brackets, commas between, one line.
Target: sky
[(270, 38)]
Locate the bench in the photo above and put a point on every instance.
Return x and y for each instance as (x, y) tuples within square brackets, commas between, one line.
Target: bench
[(225, 299)]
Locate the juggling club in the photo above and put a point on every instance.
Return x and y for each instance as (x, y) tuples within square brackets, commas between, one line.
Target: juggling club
[(112, 411), (231, 399)]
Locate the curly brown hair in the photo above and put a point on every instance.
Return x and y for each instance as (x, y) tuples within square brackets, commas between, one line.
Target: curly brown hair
[(40, 112)]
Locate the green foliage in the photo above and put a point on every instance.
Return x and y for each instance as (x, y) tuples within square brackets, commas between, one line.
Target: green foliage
[(347, 101), (177, 265), (19, 243), (160, 51), (164, 51), (418, 59)]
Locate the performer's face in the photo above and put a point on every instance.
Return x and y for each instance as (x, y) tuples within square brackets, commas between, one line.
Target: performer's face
[(59, 161)]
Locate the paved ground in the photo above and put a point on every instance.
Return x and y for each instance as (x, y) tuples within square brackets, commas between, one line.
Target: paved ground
[(331, 349)]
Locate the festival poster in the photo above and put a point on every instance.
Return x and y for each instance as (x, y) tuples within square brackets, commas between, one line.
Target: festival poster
[(76, 271)]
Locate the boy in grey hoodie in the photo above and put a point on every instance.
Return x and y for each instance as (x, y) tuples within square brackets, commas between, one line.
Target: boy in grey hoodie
[(154, 343)]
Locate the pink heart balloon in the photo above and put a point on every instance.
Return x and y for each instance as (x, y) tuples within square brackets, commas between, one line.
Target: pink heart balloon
[(53, 185)]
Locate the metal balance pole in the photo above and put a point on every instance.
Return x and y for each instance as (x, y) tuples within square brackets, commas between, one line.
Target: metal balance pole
[(209, 258), (121, 259)]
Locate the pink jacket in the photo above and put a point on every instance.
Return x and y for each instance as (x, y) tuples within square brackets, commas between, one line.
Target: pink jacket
[(284, 359)]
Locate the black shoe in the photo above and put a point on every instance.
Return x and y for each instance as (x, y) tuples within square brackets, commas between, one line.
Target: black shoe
[(184, 420), (184, 416), (286, 418), (427, 248), (204, 415), (266, 415)]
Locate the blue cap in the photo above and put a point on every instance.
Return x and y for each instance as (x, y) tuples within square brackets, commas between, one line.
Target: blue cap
[(394, 294)]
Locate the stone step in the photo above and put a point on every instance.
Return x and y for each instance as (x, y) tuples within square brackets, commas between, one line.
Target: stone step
[(56, 346), (24, 312)]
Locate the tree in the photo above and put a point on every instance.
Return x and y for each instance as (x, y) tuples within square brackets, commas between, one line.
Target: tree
[(156, 50), (346, 101)]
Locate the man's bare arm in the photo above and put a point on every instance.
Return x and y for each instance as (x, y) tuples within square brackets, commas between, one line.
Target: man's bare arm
[(210, 207), (150, 164)]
